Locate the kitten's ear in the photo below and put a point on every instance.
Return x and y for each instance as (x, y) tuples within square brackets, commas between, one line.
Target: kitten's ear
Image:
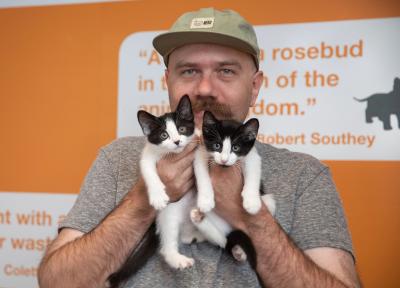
[(250, 128), (209, 119), (147, 121), (184, 108)]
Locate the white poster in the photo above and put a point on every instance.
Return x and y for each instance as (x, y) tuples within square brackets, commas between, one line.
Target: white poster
[(313, 75), (28, 223)]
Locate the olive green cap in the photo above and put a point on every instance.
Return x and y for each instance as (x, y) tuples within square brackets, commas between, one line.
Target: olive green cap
[(209, 25)]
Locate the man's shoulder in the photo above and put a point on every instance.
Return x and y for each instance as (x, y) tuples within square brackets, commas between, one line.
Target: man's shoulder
[(124, 147), (284, 159)]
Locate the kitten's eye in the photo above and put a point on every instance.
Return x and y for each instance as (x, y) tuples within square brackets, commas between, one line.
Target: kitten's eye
[(164, 135), (182, 129), (235, 148), (216, 146)]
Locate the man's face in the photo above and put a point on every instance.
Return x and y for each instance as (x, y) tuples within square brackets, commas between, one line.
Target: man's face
[(216, 78)]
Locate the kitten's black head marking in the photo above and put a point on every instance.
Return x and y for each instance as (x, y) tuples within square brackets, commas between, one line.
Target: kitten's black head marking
[(211, 132), (154, 128), (242, 136), (184, 109), (209, 119), (148, 122), (247, 131), (183, 117), (245, 136)]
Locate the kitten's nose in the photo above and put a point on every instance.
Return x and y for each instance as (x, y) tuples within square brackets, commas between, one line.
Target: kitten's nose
[(223, 161), (177, 142)]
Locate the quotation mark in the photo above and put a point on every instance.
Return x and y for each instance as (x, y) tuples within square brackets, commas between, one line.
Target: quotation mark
[(143, 53), (311, 101)]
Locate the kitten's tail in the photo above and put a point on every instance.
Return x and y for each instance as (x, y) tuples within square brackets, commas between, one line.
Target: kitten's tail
[(239, 238), (137, 259)]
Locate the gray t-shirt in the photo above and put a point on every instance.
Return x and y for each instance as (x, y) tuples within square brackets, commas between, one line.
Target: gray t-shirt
[(308, 208)]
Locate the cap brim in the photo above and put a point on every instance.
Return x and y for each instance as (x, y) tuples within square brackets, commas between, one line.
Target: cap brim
[(167, 42)]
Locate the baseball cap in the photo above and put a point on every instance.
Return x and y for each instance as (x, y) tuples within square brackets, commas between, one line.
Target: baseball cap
[(209, 25)]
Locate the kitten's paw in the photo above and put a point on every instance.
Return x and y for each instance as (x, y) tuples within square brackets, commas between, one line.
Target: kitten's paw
[(160, 201), (179, 261), (252, 205), (196, 215), (239, 254), (206, 204)]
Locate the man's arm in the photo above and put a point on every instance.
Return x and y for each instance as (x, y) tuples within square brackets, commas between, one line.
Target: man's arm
[(280, 263), (76, 259)]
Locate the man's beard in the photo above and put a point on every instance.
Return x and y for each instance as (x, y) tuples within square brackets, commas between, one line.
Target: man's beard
[(220, 111)]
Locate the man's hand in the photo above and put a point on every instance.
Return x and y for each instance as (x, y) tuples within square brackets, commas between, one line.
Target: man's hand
[(176, 171), (228, 184)]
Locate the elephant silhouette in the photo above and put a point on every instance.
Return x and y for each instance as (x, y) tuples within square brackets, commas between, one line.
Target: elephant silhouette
[(382, 105)]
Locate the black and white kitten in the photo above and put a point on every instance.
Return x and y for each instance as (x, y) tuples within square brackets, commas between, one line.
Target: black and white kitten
[(169, 133), (228, 143)]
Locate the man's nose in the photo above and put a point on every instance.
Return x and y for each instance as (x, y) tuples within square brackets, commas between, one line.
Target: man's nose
[(205, 86)]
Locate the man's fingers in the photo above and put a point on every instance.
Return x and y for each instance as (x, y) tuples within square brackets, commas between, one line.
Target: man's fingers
[(187, 173), (189, 148), (188, 185), (185, 158), (186, 162), (174, 157)]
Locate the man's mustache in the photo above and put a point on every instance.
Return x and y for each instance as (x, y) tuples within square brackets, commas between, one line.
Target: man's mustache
[(221, 111)]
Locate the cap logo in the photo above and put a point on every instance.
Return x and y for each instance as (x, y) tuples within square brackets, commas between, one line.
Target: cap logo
[(202, 23)]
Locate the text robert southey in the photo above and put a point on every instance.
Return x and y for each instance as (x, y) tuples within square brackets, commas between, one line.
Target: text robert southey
[(316, 138)]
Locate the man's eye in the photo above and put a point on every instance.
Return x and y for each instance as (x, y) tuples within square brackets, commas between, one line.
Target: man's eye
[(182, 129), (216, 146), (164, 135), (189, 72), (227, 72)]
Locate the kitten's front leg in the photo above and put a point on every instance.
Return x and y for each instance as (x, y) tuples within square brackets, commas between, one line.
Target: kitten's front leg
[(205, 192), (169, 221), (252, 178), (158, 198)]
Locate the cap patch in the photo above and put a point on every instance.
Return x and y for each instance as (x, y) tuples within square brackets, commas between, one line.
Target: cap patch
[(198, 23)]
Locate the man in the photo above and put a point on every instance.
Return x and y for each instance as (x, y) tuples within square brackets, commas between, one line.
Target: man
[(213, 57)]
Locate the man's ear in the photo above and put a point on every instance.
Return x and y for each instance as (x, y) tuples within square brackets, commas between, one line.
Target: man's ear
[(257, 81), (166, 74)]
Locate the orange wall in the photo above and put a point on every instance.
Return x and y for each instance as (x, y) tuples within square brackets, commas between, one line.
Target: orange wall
[(58, 104)]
